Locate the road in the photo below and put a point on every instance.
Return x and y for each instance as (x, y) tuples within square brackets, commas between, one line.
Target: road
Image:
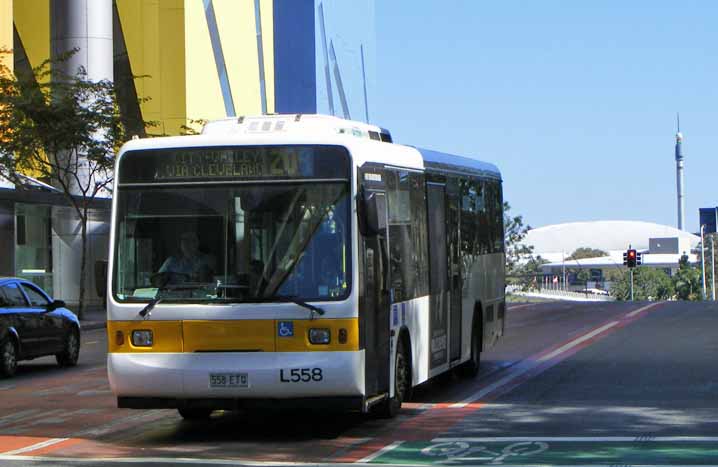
[(571, 384)]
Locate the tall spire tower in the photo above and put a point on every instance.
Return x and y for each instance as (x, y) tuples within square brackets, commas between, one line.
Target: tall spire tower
[(679, 175)]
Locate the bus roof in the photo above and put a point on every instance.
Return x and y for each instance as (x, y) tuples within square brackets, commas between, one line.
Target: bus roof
[(453, 163)]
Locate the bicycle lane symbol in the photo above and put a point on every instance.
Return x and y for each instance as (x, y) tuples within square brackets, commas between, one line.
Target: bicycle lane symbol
[(459, 452)]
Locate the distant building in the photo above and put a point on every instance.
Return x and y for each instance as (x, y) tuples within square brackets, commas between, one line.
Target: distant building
[(709, 218), (661, 245)]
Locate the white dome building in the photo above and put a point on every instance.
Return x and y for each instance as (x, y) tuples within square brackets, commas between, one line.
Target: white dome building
[(555, 242)]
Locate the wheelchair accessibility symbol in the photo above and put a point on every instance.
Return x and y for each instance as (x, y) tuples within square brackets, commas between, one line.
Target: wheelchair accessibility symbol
[(285, 329), (459, 452)]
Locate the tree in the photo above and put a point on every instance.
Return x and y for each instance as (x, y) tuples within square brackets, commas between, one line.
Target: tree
[(687, 281), (514, 232), (65, 130), (521, 264), (584, 252), (648, 284)]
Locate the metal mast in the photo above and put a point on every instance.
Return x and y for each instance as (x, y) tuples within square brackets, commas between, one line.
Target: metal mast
[(679, 175)]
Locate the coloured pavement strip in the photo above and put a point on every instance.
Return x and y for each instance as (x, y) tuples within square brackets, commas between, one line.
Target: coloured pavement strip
[(554, 451)]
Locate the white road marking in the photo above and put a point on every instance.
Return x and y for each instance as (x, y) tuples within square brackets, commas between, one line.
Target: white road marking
[(577, 341), (492, 387), (643, 308), (36, 446), (109, 427), (91, 343), (528, 365), (384, 450), (579, 439), (21, 418), (14, 416)]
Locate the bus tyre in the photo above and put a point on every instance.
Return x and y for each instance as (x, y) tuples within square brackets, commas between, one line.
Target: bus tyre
[(471, 367), (70, 350), (195, 413), (8, 358), (390, 407)]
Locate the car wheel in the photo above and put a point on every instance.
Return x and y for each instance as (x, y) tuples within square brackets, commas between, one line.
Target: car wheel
[(390, 407), (70, 351), (8, 358), (195, 413)]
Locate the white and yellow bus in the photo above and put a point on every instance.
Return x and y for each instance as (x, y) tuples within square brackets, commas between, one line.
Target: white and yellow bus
[(298, 261)]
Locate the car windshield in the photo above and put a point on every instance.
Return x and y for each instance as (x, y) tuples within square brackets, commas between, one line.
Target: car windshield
[(240, 243)]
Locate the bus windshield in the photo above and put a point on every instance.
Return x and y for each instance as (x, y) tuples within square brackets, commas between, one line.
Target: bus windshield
[(241, 242)]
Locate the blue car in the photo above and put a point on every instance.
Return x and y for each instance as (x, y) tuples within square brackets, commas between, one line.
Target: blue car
[(33, 325)]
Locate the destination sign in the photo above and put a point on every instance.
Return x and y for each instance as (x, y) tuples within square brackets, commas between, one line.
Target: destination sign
[(236, 163)]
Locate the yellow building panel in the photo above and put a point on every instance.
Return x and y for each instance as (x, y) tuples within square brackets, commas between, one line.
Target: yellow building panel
[(154, 36), (32, 20), (267, 9), (204, 95), (237, 32), (172, 65), (6, 33)]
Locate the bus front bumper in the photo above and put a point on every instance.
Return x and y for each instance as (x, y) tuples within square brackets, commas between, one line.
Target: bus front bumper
[(230, 380)]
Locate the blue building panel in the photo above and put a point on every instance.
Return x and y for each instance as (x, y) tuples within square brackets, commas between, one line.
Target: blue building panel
[(295, 84)]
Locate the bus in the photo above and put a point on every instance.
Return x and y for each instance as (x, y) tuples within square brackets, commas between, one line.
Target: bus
[(298, 261)]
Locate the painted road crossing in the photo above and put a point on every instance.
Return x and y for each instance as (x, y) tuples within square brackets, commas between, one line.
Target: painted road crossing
[(694, 450)]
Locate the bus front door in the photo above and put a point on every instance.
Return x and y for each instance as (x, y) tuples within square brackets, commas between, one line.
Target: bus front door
[(374, 304)]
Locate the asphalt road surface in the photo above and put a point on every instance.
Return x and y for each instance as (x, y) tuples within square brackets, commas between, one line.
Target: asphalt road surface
[(570, 384)]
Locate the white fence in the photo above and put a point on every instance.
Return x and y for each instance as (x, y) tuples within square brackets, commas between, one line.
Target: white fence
[(557, 294)]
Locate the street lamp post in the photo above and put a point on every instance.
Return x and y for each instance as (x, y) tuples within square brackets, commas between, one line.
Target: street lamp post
[(703, 261)]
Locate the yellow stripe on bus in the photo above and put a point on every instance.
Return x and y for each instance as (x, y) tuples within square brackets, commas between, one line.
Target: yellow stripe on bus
[(232, 336)]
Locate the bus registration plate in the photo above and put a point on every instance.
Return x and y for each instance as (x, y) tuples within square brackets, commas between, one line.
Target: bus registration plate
[(228, 380)]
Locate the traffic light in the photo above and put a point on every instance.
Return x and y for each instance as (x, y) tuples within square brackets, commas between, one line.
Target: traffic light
[(631, 258), (625, 258), (639, 258)]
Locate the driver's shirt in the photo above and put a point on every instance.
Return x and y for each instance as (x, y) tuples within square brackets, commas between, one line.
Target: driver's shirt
[(190, 266)]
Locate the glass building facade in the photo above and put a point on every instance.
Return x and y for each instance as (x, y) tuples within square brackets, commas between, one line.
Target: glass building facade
[(177, 63)]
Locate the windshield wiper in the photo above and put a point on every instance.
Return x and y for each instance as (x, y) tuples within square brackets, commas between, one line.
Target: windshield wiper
[(146, 312), (281, 298), (312, 309)]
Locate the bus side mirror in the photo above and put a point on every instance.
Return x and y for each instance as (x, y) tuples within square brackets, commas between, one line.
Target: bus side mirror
[(372, 213)]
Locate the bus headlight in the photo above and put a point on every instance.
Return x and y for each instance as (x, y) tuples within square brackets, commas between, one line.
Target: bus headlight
[(320, 336), (142, 338)]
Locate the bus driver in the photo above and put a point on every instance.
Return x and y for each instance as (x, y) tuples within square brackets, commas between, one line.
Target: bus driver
[(191, 265)]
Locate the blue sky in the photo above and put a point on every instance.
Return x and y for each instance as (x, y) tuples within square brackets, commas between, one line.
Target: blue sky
[(574, 101)]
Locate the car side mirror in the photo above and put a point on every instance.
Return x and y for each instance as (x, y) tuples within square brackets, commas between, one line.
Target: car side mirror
[(55, 305)]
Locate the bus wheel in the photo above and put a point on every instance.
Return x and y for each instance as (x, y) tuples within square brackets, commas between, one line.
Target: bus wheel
[(470, 368), (195, 414), (390, 407)]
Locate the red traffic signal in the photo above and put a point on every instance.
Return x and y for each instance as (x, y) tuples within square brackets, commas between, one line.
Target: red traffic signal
[(631, 258)]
